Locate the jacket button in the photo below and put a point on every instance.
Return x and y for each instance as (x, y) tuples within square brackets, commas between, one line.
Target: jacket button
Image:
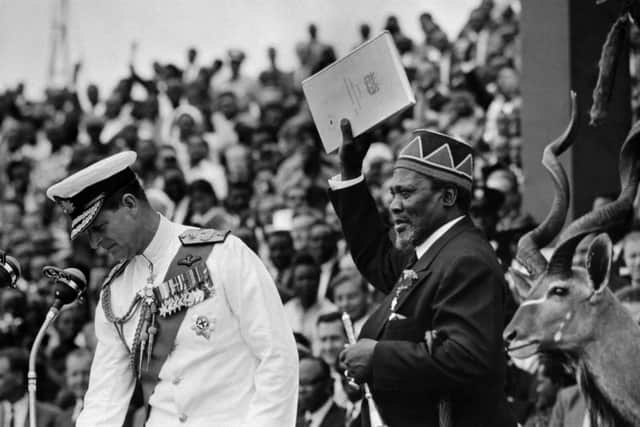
[(176, 380), (182, 418)]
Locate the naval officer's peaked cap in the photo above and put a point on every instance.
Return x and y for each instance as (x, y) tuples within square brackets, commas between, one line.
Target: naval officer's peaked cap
[(82, 194)]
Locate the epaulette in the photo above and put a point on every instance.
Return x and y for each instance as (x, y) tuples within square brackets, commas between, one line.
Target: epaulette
[(114, 272), (202, 236)]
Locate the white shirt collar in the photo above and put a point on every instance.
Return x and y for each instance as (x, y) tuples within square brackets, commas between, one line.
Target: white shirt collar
[(20, 408), (422, 248), (160, 241), (317, 416)]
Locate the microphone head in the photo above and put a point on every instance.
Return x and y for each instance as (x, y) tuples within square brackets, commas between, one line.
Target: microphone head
[(10, 271), (78, 277), (69, 284)]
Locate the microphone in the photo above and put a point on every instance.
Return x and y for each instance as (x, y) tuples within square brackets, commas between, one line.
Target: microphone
[(10, 270), (70, 283)]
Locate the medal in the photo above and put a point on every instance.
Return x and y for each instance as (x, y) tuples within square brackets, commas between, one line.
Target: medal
[(185, 290), (203, 325)]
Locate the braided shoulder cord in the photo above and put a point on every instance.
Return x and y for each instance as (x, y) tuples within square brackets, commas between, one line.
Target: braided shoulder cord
[(118, 322)]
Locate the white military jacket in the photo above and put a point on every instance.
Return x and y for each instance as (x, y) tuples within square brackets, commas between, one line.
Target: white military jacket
[(244, 374)]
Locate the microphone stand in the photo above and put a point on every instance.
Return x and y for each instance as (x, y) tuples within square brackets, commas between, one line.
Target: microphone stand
[(70, 283), (32, 377)]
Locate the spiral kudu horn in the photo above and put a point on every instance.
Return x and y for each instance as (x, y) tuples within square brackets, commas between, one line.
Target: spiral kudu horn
[(614, 217), (528, 254)]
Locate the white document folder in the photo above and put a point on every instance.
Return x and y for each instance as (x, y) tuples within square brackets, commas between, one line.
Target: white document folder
[(366, 86)]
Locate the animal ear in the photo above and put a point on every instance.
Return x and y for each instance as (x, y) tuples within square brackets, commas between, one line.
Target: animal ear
[(519, 284), (599, 262)]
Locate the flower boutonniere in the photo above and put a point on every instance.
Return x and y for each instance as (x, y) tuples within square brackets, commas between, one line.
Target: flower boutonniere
[(409, 275)]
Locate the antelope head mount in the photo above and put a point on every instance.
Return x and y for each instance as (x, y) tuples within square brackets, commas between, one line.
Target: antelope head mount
[(562, 303)]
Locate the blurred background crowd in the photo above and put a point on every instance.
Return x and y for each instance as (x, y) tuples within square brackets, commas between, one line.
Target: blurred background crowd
[(220, 148)]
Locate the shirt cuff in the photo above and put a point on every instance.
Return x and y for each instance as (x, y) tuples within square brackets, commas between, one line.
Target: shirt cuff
[(336, 182)]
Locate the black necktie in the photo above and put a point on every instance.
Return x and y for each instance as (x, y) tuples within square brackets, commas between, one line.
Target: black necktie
[(12, 421), (413, 258)]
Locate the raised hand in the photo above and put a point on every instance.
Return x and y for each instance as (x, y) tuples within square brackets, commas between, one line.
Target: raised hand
[(352, 152)]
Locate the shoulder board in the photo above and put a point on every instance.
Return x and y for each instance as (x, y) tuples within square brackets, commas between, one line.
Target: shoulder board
[(114, 272), (203, 236)]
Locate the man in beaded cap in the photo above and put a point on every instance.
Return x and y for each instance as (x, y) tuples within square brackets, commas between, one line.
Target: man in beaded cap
[(191, 314), (432, 353)]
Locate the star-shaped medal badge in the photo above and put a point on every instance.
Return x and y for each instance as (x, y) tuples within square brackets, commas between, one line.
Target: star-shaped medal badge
[(203, 325)]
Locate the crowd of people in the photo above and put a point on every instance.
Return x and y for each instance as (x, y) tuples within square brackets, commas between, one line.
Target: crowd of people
[(218, 148)]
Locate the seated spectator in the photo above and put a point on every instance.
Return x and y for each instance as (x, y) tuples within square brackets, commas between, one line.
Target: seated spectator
[(204, 208), (351, 295), (300, 224), (281, 254), (13, 307), (323, 246), (461, 117), (511, 214), (304, 308), (65, 329), (175, 186), (14, 402), (503, 114), (76, 374), (550, 378), (146, 163), (202, 167), (295, 196), (331, 339), (316, 406), (238, 202), (631, 257)]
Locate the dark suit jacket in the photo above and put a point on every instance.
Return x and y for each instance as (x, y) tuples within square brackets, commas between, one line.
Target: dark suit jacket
[(569, 409), (460, 292), (45, 415), (336, 417)]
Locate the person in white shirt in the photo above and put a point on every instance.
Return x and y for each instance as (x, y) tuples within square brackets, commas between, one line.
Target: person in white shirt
[(305, 307), (76, 375), (351, 296), (192, 314), (323, 246), (331, 339), (317, 407), (14, 402)]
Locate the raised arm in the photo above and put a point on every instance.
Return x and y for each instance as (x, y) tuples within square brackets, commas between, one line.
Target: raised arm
[(368, 238)]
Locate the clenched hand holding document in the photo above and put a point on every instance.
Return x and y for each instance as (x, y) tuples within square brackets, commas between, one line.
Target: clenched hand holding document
[(367, 86)]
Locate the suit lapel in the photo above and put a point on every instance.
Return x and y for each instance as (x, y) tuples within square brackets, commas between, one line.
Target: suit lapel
[(375, 324)]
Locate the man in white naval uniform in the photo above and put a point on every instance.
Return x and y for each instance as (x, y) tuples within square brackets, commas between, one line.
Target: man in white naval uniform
[(233, 361)]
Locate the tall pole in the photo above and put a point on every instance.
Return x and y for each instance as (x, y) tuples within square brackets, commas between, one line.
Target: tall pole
[(59, 72)]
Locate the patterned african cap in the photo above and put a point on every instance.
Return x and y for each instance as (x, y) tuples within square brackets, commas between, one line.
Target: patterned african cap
[(82, 194), (439, 156)]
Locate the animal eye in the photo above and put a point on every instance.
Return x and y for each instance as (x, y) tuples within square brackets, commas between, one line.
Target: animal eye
[(558, 291)]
